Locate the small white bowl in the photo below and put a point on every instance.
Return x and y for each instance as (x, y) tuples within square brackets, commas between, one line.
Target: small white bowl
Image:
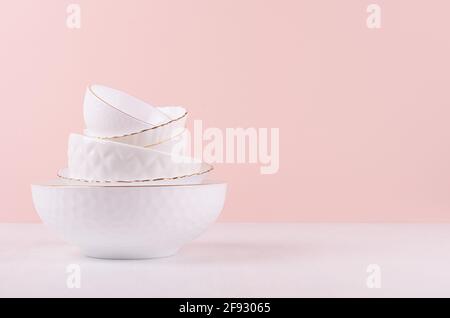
[(129, 222), (110, 113)]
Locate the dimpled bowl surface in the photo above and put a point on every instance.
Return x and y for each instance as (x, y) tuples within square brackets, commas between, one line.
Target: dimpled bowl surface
[(129, 222), (103, 160)]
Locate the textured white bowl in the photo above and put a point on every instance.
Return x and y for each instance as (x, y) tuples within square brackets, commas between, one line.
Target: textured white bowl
[(94, 159), (129, 222)]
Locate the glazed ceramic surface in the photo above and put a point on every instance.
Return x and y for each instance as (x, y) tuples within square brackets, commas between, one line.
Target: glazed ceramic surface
[(94, 159), (129, 222), (157, 134), (111, 113)]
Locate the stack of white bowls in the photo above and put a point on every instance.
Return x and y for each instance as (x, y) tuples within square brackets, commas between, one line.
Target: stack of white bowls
[(129, 190)]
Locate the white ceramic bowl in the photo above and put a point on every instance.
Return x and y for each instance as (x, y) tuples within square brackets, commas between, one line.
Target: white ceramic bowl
[(112, 113), (94, 159), (129, 222), (158, 134)]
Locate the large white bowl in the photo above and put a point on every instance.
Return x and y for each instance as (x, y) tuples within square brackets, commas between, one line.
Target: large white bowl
[(129, 222)]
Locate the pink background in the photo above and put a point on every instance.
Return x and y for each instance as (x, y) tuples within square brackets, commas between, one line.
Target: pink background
[(363, 114)]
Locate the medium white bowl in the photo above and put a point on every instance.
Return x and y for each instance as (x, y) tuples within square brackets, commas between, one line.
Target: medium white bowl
[(94, 159), (129, 222), (155, 135)]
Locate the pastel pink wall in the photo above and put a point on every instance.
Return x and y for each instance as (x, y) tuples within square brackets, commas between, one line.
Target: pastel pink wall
[(363, 114)]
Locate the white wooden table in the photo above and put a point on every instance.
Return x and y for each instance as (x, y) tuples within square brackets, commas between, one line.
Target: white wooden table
[(241, 260)]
